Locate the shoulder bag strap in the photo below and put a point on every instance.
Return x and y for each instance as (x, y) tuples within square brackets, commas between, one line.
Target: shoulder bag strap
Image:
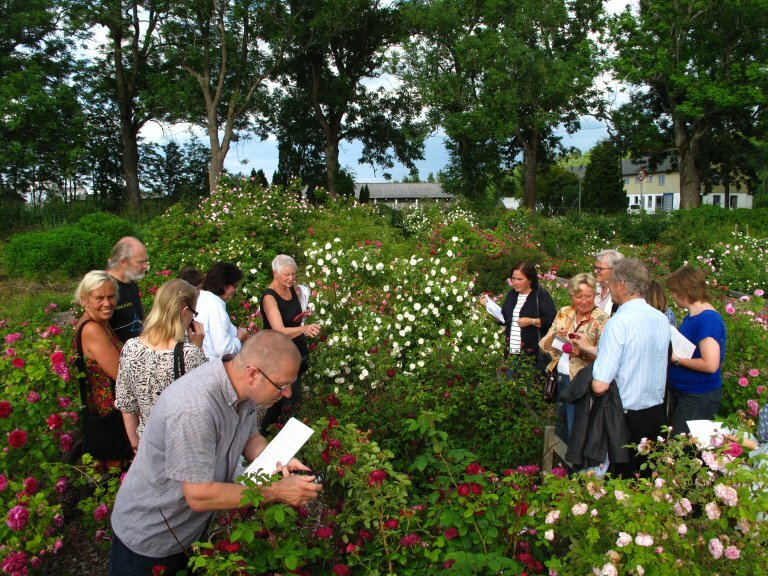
[(178, 361)]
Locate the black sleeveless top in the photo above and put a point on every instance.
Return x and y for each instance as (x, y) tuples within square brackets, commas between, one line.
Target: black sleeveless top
[(289, 309)]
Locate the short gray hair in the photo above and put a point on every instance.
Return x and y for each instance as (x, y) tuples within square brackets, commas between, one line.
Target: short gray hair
[(610, 256), (283, 261), (635, 275), (122, 251), (90, 282)]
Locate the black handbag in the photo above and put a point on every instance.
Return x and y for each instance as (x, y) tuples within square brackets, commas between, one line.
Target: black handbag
[(550, 386), (104, 437)]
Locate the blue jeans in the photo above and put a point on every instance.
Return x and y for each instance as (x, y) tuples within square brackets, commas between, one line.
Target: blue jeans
[(688, 406), (563, 381), (125, 562)]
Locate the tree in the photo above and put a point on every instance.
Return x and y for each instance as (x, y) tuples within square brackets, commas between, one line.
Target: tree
[(131, 65), (501, 75), (336, 46), (557, 189), (692, 63), (41, 133), (603, 185), (175, 170), (365, 194), (228, 49)]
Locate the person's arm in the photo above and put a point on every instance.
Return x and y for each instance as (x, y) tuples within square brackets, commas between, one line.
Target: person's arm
[(131, 422), (272, 313), (555, 329), (709, 362), (599, 387), (98, 347), (220, 332)]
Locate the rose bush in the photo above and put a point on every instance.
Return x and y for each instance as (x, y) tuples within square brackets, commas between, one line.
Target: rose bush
[(429, 449)]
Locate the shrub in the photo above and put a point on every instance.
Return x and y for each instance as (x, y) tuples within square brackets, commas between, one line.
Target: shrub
[(72, 249)]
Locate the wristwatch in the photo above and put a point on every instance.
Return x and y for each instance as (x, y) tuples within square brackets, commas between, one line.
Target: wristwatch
[(676, 362)]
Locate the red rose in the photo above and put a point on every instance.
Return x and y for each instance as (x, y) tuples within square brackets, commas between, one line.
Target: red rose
[(347, 460), (567, 348), (342, 570), (463, 490), (17, 438), (333, 400), (391, 524), (334, 444), (57, 357), (448, 563), (451, 533), (5, 409), (409, 540), (391, 373), (158, 570), (475, 468), (476, 488), (324, 532), (54, 422), (521, 508), (376, 478), (18, 363), (30, 485)]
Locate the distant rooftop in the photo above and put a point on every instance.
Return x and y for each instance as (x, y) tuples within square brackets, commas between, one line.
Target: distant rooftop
[(403, 190), (630, 167)]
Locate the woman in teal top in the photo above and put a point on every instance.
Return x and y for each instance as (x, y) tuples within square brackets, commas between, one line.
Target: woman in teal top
[(696, 383)]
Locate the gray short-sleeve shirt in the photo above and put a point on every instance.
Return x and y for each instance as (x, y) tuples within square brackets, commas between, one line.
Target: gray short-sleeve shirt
[(196, 433)]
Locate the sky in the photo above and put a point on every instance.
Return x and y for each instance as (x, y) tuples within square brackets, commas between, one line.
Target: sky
[(245, 155)]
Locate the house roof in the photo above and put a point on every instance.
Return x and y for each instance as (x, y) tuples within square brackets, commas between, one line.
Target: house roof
[(632, 167), (402, 190)]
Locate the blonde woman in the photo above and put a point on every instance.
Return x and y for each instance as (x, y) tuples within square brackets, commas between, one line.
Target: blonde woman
[(578, 325), (95, 353), (147, 362)]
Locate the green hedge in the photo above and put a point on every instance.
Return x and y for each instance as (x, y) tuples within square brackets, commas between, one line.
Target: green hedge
[(71, 250)]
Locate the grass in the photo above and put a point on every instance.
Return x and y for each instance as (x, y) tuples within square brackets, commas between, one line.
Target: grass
[(25, 300)]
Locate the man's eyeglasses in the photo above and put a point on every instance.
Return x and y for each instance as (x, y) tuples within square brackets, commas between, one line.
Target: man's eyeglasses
[(280, 388), (601, 268)]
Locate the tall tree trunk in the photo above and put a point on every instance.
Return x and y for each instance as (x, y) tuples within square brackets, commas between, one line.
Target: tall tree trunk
[(530, 159), (688, 150), (332, 164)]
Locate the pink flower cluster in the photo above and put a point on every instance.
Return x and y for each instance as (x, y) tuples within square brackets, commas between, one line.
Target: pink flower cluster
[(59, 365)]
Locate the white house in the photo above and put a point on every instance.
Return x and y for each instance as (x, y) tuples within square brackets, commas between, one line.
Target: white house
[(658, 189), (404, 194)]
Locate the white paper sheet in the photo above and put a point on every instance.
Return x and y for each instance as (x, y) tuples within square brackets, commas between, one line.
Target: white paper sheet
[(681, 346), (283, 447), (703, 430), (494, 310)]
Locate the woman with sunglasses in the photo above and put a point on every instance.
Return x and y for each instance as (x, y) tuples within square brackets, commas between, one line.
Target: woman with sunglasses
[(149, 363)]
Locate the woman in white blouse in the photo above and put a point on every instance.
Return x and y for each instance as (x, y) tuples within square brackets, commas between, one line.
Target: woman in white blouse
[(221, 336)]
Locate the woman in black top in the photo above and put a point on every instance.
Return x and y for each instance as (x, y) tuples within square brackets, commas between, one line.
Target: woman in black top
[(528, 311), (282, 311)]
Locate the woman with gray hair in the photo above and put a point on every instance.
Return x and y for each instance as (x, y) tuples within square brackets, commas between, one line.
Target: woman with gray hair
[(282, 311), (580, 323), (96, 354)]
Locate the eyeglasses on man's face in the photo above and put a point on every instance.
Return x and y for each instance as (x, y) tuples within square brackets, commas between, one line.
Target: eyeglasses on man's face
[(279, 388), (601, 268)]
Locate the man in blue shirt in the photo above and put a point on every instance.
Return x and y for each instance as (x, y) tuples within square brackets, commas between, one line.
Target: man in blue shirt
[(634, 351)]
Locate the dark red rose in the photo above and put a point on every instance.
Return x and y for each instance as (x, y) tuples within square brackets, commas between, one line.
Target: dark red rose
[(17, 438), (451, 533), (475, 468), (324, 532), (5, 409), (391, 373), (376, 478), (409, 540), (347, 460), (391, 524), (463, 490), (342, 570), (521, 508), (30, 485), (476, 488)]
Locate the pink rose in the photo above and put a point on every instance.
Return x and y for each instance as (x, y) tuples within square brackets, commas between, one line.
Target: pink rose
[(11, 338), (101, 512), (18, 362), (5, 409), (17, 518)]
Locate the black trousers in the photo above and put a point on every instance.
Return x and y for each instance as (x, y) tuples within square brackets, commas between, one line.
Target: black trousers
[(641, 424)]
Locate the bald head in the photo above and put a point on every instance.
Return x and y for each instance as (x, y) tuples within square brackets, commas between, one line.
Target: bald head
[(268, 348)]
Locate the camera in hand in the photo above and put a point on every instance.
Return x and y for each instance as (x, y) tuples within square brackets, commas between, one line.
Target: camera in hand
[(319, 476)]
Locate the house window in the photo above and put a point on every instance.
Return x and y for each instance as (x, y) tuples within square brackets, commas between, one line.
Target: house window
[(649, 179), (734, 202), (626, 181), (715, 199), (661, 180), (649, 201)]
